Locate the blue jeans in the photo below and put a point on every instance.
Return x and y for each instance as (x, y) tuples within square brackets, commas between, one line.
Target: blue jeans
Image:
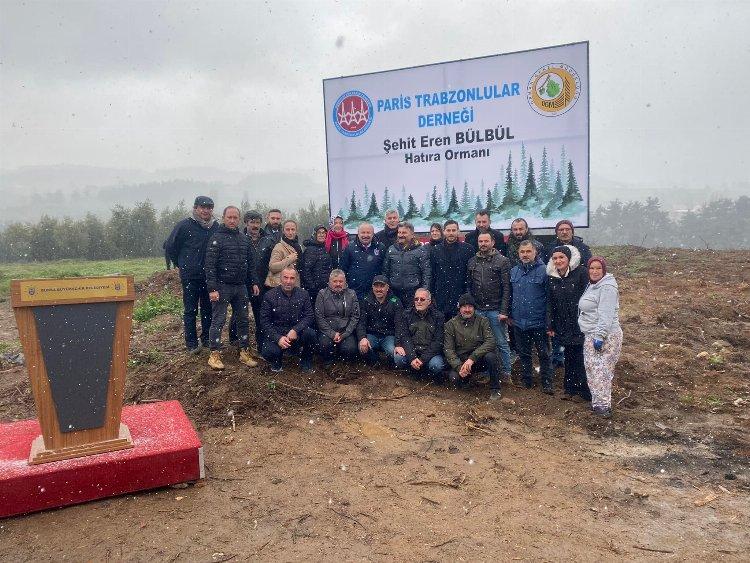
[(500, 330), (195, 294), (384, 343), (435, 366), (558, 352)]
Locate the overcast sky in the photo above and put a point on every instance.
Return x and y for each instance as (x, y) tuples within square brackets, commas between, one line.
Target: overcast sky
[(238, 85)]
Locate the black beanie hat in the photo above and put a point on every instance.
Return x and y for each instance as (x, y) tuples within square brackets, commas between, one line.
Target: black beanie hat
[(466, 299), (564, 249)]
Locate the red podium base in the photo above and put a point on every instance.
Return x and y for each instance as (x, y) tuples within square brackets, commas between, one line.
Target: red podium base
[(166, 451)]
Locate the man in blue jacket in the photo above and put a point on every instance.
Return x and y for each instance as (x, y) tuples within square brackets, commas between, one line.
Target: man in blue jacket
[(186, 249), (530, 314), (363, 260)]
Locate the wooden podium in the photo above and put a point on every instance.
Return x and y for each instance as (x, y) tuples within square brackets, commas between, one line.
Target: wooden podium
[(75, 334)]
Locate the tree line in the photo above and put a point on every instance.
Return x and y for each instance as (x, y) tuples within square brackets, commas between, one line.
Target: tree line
[(139, 231)]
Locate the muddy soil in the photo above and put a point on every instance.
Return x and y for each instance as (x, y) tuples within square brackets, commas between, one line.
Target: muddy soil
[(371, 464)]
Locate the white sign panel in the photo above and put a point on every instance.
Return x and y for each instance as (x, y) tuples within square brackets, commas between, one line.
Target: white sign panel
[(508, 133)]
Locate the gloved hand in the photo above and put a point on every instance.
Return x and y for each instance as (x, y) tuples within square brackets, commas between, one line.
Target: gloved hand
[(598, 344)]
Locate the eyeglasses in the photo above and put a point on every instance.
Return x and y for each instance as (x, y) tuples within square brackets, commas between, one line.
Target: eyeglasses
[(420, 299)]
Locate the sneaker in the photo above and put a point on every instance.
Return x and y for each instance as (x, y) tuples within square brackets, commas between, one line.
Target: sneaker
[(548, 389), (306, 365), (247, 359), (276, 367), (495, 395), (214, 360)]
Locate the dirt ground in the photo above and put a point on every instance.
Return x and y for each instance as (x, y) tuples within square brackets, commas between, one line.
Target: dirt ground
[(373, 465)]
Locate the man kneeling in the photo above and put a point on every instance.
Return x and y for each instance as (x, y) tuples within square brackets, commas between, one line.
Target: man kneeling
[(337, 315), (379, 312), (470, 346), (419, 337), (287, 318)]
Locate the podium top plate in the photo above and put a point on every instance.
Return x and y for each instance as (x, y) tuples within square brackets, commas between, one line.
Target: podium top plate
[(36, 292)]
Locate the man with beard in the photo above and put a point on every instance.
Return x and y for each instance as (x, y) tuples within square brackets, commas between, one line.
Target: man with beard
[(186, 249), (337, 316), (363, 260), (379, 312), (389, 234), (469, 346), (419, 337), (273, 225), (407, 264), (482, 222), (519, 232), (489, 284), (565, 234), (252, 221), (448, 262), (229, 271)]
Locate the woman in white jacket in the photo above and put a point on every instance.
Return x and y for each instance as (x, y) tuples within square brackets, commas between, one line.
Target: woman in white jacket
[(598, 320)]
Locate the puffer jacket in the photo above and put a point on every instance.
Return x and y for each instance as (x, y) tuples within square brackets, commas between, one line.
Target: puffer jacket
[(280, 259), (598, 308), (421, 335), (564, 293), (577, 242), (362, 265), (408, 268), (337, 312), (472, 238), (448, 263), (467, 338), (378, 318), (489, 281), (186, 248), (316, 267), (229, 259), (280, 313), (530, 303), (513, 243)]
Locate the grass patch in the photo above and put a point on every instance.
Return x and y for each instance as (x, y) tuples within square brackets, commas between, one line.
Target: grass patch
[(155, 305), (6, 347), (140, 268), (145, 357)]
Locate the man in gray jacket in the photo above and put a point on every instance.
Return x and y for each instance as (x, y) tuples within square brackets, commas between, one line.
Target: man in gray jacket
[(337, 315), (407, 264)]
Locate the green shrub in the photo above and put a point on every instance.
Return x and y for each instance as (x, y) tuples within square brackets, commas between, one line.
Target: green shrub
[(155, 305)]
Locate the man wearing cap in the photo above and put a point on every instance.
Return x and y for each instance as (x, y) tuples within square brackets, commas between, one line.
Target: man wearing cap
[(379, 312), (186, 248), (419, 337), (363, 260), (469, 346)]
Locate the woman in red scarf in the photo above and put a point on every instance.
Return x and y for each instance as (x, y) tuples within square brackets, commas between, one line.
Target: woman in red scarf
[(336, 241)]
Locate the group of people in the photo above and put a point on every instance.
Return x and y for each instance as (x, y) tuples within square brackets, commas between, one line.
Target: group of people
[(461, 307)]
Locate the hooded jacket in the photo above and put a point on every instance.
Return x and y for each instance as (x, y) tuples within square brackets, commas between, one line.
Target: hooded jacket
[(379, 318), (564, 293), (186, 248), (448, 264), (280, 313), (316, 267), (473, 239), (337, 312), (598, 308), (583, 249), (421, 335), (489, 281), (362, 265), (467, 338), (408, 267), (530, 309), (229, 259), (280, 259)]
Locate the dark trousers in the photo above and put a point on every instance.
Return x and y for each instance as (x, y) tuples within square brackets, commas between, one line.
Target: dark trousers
[(236, 296), (304, 346), (195, 296), (525, 339), (255, 302), (406, 295), (490, 362), (575, 382), (557, 357), (346, 349)]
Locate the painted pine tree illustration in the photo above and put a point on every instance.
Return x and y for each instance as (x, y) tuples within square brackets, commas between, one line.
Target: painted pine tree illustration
[(400, 208), (509, 197), (530, 194), (563, 166), (412, 211), (523, 172), (452, 205), (373, 210), (466, 201), (446, 195), (354, 214), (386, 200), (545, 187), (435, 208), (490, 206), (556, 198), (572, 192), (365, 198), (478, 206)]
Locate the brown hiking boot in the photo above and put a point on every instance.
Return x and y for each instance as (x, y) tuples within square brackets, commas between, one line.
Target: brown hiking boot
[(247, 359), (214, 360)]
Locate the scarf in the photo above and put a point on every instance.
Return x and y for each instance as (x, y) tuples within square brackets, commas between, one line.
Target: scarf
[(205, 224), (294, 243), (601, 261), (341, 236)]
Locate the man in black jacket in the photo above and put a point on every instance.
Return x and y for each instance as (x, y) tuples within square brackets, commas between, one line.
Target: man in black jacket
[(186, 249), (388, 235), (566, 235), (419, 337), (379, 311), (519, 232), (273, 225), (253, 221), (287, 317), (230, 269), (448, 263), (482, 222), (407, 264)]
